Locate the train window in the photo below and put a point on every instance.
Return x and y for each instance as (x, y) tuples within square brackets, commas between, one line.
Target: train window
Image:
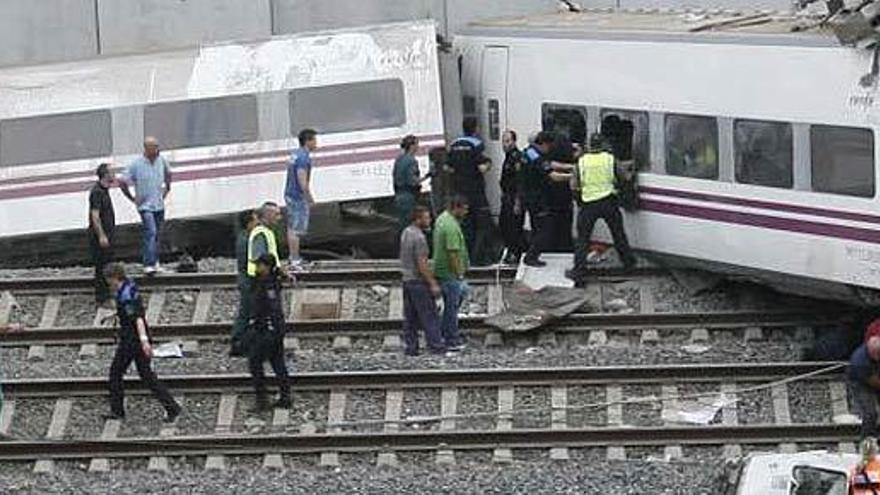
[(348, 107), (55, 138), (692, 146), (628, 133), (494, 120), (206, 122), (843, 160), (764, 153), (570, 121)]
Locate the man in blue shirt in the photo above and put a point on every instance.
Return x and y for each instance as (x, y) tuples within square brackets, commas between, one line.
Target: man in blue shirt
[(537, 178), (298, 194), (468, 163), (864, 383), (151, 177)]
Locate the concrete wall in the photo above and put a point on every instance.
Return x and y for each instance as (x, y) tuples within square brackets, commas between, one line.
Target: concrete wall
[(39, 31), (296, 16), (130, 26)]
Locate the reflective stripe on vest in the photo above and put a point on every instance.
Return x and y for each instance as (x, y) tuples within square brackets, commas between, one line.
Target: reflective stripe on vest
[(270, 243), (596, 174)]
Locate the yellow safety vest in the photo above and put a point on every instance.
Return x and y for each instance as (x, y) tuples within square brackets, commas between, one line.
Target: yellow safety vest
[(596, 174), (270, 242)]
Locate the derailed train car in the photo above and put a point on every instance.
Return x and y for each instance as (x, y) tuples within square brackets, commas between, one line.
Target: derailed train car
[(226, 116), (755, 143)]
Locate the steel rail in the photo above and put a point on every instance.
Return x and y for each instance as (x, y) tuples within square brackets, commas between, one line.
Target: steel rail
[(474, 325), (425, 440), (594, 375)]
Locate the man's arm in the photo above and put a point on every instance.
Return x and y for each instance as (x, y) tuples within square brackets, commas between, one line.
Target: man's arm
[(123, 186), (142, 336), (559, 176), (167, 180), (873, 381), (427, 274), (561, 167), (455, 263), (95, 216), (303, 178)]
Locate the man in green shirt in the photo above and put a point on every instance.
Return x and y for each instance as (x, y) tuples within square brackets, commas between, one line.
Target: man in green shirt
[(451, 261)]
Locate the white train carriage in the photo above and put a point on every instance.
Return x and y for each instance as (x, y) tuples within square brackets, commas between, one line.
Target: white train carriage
[(226, 116), (756, 144)]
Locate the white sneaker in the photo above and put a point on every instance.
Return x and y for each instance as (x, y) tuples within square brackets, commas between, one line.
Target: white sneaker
[(160, 269), (149, 270)]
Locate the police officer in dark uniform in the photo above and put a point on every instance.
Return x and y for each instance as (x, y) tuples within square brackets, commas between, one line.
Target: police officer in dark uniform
[(562, 153), (467, 162), (133, 345), (265, 341), (512, 210)]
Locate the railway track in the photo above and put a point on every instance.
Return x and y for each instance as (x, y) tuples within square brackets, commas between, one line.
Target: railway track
[(446, 432)]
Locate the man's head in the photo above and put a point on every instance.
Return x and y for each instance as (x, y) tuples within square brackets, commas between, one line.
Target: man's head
[(421, 217), (151, 148), (105, 177), (247, 220), (873, 346), (410, 144), (470, 125), (269, 213), (308, 139), (265, 264), (508, 140), (114, 273), (597, 142), (458, 206), (544, 141)]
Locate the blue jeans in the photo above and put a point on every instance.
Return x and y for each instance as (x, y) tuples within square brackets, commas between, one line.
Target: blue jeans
[(454, 293), (152, 221), (419, 311)]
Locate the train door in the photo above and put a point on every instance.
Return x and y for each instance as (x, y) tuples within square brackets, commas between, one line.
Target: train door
[(493, 116)]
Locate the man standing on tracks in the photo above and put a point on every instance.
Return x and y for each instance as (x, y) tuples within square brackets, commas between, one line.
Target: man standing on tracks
[(265, 341), (468, 162), (151, 177), (247, 221), (298, 195), (594, 187), (512, 215), (419, 287), (451, 262), (864, 384), (538, 176), (102, 222), (133, 345)]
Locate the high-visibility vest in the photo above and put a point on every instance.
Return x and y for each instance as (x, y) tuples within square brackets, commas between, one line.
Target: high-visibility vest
[(596, 174), (270, 242)]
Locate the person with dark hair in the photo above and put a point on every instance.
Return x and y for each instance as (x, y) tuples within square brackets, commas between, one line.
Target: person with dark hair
[(468, 164), (298, 194), (451, 262), (594, 186), (562, 156), (419, 287), (247, 221), (133, 345), (512, 214), (265, 341), (407, 183), (102, 223), (539, 174)]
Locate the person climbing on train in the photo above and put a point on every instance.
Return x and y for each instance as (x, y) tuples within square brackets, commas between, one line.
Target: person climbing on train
[(864, 384), (407, 183), (247, 222), (298, 195), (133, 344), (468, 163), (512, 215), (265, 338), (594, 187)]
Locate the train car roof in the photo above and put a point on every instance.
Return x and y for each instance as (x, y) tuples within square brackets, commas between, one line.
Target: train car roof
[(761, 28)]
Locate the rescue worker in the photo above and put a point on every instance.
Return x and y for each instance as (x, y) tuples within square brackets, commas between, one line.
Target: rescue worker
[(261, 240), (407, 184), (864, 384), (512, 215), (247, 221), (419, 287), (265, 341), (562, 155), (133, 345), (593, 184), (538, 175), (468, 163)]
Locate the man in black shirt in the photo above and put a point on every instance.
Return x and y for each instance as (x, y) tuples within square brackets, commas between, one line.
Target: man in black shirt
[(512, 214), (468, 163), (133, 345), (562, 153), (247, 220), (102, 222)]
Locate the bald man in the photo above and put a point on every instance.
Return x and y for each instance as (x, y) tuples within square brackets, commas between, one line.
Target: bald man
[(151, 177), (864, 382)]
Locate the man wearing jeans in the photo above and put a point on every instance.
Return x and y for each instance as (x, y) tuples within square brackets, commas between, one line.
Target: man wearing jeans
[(298, 194), (419, 286), (864, 384), (450, 264), (151, 177)]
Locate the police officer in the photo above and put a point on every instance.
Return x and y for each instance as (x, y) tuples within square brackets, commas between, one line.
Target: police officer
[(594, 186), (468, 162), (265, 341), (538, 177), (247, 221), (562, 153), (134, 345), (512, 213)]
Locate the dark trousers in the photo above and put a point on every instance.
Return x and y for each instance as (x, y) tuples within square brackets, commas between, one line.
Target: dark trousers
[(100, 258), (511, 225), (477, 230), (607, 209), (865, 400), (269, 347), (245, 300), (542, 230), (419, 311), (126, 352), (561, 222)]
